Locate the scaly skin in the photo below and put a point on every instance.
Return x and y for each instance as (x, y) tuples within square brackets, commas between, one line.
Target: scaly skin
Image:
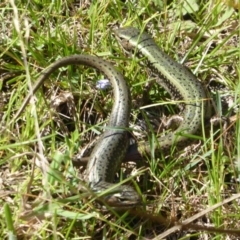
[(107, 155), (176, 79), (111, 147)]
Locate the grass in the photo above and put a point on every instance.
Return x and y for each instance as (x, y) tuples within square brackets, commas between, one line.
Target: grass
[(46, 203)]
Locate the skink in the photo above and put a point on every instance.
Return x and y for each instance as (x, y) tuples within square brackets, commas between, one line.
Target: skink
[(108, 153), (176, 79), (110, 149)]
